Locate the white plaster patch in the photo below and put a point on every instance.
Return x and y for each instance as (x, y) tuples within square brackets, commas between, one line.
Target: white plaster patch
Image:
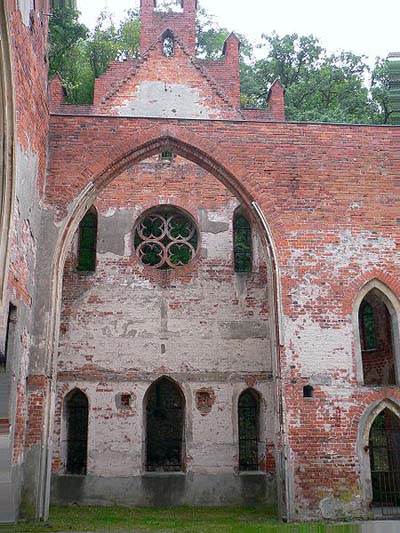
[(319, 349), (167, 100), (109, 213), (365, 248), (25, 6)]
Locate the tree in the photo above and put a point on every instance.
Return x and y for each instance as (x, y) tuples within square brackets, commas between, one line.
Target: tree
[(380, 90), (319, 86)]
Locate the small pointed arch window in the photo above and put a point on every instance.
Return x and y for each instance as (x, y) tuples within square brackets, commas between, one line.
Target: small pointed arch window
[(88, 241), (377, 339), (165, 427), (242, 243), (77, 418), (168, 44), (249, 429)]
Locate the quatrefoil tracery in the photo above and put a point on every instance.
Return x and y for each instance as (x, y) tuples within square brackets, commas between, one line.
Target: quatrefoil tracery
[(166, 239)]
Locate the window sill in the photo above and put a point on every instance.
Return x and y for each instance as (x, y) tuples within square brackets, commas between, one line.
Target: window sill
[(164, 474), (253, 473)]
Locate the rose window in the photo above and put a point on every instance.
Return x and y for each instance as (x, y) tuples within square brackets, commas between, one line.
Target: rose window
[(166, 238)]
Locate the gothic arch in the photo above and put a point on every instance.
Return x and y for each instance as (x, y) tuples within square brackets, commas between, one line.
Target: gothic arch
[(392, 303), (167, 395), (97, 176), (6, 148), (365, 425)]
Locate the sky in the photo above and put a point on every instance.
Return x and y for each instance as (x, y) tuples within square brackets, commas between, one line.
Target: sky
[(368, 27)]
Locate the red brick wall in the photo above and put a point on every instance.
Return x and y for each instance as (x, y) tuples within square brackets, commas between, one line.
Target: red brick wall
[(327, 193)]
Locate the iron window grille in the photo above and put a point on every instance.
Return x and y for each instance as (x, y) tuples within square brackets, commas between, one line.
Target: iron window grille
[(248, 431), (384, 449)]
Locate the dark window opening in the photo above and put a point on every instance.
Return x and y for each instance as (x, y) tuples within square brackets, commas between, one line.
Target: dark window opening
[(125, 400), (77, 417), (384, 449), (167, 156), (375, 326), (242, 242), (248, 431), (308, 391), (10, 337), (165, 413), (88, 242)]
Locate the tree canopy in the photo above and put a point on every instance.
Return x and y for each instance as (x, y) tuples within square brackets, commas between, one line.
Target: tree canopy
[(320, 86)]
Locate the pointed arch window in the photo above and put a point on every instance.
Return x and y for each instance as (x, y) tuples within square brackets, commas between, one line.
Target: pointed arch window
[(168, 44), (248, 418), (165, 415), (384, 450), (377, 339), (242, 243), (77, 417), (88, 242)]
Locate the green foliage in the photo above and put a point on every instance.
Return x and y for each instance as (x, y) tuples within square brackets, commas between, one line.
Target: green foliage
[(211, 38), (80, 56), (319, 86)]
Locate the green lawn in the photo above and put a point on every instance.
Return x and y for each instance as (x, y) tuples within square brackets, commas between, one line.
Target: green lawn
[(196, 520)]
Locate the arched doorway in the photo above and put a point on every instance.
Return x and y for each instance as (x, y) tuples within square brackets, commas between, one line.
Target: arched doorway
[(77, 417), (384, 450), (165, 427)]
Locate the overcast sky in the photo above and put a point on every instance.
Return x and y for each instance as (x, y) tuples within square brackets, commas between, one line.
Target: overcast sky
[(369, 27)]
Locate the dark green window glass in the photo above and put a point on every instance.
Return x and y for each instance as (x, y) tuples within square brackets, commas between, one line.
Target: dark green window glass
[(87, 242), (248, 431), (242, 244), (368, 327)]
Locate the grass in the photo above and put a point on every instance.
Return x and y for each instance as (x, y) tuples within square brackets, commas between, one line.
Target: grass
[(195, 520)]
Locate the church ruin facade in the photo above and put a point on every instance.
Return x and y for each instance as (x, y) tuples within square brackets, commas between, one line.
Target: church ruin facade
[(199, 303)]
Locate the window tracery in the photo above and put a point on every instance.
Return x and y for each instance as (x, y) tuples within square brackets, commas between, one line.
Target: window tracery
[(166, 238)]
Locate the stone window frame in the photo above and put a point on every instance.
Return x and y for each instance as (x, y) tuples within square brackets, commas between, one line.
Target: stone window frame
[(393, 305), (6, 151)]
